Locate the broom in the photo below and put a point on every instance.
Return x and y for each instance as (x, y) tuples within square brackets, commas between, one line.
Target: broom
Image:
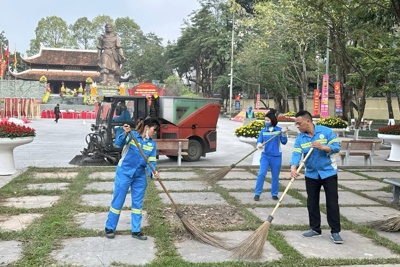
[(196, 232), (221, 173), (389, 224), (253, 245)]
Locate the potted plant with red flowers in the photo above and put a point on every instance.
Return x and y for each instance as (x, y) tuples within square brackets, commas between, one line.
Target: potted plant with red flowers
[(11, 136), (391, 133)]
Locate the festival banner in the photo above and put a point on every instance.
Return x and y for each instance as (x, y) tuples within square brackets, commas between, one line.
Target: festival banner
[(338, 98), (316, 102), (325, 97)]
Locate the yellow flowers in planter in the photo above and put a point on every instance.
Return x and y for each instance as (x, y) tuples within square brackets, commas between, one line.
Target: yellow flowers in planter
[(250, 130), (332, 122)]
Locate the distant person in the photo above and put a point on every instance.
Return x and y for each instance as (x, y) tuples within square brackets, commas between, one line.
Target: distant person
[(131, 174), (250, 112), (57, 112), (110, 57), (320, 171), (271, 157)]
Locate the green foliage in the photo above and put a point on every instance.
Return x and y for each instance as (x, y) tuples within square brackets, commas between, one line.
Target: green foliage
[(259, 115), (290, 114), (332, 122)]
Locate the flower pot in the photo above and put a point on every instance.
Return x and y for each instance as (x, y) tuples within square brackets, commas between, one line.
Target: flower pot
[(252, 141), (395, 145), (338, 131), (7, 145)]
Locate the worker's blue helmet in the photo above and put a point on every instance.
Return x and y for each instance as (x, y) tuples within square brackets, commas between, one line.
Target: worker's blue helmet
[(250, 107)]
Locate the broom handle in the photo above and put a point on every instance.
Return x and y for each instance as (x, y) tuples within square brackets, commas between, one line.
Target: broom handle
[(152, 169), (271, 216), (254, 150)]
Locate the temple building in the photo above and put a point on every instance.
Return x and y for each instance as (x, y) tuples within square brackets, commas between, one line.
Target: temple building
[(61, 66)]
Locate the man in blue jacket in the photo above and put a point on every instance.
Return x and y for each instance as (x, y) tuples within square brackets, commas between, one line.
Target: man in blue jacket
[(321, 171)]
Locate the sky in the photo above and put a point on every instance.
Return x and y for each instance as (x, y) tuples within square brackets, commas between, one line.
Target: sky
[(19, 18)]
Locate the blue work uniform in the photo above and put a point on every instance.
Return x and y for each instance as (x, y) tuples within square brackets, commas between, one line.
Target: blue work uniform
[(321, 171), (131, 173), (271, 157)]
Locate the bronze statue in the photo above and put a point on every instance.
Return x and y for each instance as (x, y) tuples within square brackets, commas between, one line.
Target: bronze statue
[(110, 57)]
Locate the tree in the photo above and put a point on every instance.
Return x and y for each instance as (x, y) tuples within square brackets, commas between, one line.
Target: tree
[(84, 33), (51, 32)]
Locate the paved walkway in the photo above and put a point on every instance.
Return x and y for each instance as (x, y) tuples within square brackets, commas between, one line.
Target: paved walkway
[(363, 197)]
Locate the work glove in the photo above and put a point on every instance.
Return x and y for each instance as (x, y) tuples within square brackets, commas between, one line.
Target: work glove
[(260, 146)]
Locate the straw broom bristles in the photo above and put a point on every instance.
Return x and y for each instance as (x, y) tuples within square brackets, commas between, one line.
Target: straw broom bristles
[(389, 224), (220, 174), (196, 232), (253, 245)]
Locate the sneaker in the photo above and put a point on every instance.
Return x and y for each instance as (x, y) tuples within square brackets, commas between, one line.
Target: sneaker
[(109, 233), (275, 198), (139, 236), (336, 238), (256, 198), (311, 233)]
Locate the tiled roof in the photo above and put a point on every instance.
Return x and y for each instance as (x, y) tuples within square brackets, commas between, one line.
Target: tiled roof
[(34, 75), (61, 56)]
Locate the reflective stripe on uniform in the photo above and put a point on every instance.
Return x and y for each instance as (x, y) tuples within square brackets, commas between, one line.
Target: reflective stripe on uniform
[(136, 211), (115, 210), (152, 159)]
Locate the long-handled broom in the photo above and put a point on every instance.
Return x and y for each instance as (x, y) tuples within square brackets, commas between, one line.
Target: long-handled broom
[(253, 245), (196, 232), (389, 224), (221, 173)]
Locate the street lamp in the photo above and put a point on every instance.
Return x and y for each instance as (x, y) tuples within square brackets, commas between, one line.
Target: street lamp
[(231, 74)]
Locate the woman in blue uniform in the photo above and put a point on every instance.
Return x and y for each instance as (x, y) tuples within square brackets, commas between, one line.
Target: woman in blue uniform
[(271, 157), (131, 174)]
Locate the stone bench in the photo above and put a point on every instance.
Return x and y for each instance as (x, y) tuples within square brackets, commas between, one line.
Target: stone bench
[(364, 148), (172, 147), (396, 188)]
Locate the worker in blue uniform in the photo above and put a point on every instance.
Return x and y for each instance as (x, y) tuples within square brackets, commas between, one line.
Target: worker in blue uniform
[(250, 112), (271, 157), (131, 174), (321, 171)]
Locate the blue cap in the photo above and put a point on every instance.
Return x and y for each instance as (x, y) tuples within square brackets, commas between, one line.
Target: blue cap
[(250, 107)]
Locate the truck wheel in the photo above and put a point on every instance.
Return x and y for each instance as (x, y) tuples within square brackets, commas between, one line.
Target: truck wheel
[(195, 151)]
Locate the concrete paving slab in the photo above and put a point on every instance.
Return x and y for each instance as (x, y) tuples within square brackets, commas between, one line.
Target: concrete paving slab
[(184, 185), (392, 236), (17, 222), (100, 186), (196, 252), (55, 175), (347, 198), (345, 175), (101, 251), (297, 184), (362, 185), (286, 216), (241, 184), (240, 174), (366, 214), (103, 200), (10, 251), (102, 175), (179, 175), (265, 198), (381, 195), (49, 186), (30, 202), (194, 198), (382, 174), (97, 220), (355, 246)]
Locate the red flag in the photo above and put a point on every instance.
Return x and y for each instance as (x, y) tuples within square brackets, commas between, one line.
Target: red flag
[(15, 59), (7, 55)]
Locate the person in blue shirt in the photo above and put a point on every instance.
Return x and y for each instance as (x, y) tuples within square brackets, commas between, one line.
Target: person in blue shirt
[(271, 157), (250, 112), (131, 174), (321, 171)]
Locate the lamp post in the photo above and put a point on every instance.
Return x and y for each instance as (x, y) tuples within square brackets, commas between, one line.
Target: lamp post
[(231, 74)]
